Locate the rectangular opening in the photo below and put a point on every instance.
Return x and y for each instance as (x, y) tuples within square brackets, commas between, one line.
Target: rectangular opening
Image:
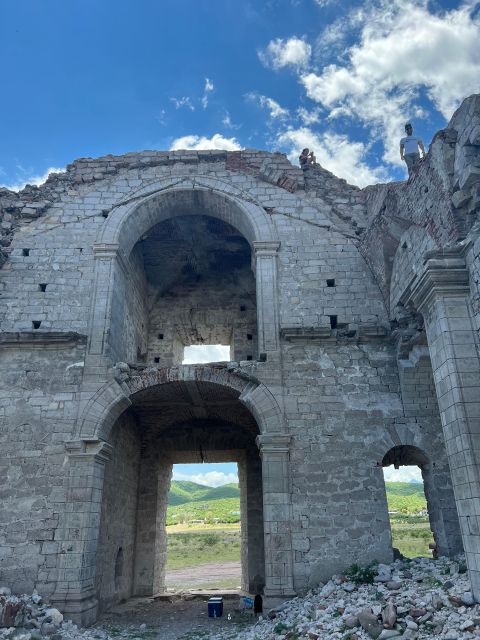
[(243, 307), (36, 324), (203, 527), (25, 252), (42, 286), (160, 336), (204, 353), (333, 322), (330, 282), (249, 357), (156, 359), (249, 336)]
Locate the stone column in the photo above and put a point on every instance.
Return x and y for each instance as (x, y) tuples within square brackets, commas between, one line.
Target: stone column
[(441, 294), (151, 540), (267, 295), (78, 531), (277, 517)]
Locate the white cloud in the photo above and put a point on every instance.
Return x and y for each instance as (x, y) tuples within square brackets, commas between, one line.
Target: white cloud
[(334, 152), (211, 478), (281, 53), (217, 141), (199, 353), (403, 474), (276, 111), (207, 89), (403, 48), (308, 116), (227, 122), (183, 102), (161, 117), (22, 178)]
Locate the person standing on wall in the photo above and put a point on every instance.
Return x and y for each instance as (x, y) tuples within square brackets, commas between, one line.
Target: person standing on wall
[(409, 148)]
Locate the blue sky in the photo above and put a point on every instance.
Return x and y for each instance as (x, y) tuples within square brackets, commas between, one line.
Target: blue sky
[(110, 76)]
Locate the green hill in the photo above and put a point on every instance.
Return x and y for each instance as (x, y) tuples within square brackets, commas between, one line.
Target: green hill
[(188, 501), (182, 492)]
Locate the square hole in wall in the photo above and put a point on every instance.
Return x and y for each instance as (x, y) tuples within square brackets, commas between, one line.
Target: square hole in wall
[(36, 324), (243, 307), (160, 336), (249, 336), (333, 322), (204, 353), (42, 286), (25, 252), (330, 282), (249, 357), (156, 360)]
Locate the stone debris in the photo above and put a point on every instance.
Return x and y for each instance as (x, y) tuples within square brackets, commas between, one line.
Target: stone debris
[(434, 601)]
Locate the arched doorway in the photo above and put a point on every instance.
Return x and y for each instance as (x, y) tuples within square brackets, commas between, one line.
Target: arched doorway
[(441, 509), (180, 421), (182, 410)]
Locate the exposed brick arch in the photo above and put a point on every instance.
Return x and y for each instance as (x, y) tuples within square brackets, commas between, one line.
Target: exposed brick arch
[(114, 398)]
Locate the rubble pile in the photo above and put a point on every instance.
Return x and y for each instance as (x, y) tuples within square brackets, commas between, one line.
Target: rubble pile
[(416, 599), (410, 599)]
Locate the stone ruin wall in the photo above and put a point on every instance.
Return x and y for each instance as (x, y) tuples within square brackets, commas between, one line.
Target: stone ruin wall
[(349, 393)]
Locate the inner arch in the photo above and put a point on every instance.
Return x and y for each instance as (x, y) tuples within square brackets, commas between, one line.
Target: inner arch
[(175, 422)]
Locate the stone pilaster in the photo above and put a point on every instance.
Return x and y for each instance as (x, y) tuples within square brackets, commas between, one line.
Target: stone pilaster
[(78, 530), (151, 540), (441, 294), (267, 295), (277, 516)]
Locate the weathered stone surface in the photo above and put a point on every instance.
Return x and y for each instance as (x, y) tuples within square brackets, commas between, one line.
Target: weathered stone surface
[(341, 308)]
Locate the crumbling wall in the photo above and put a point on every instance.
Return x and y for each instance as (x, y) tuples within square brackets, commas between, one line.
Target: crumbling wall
[(442, 196)]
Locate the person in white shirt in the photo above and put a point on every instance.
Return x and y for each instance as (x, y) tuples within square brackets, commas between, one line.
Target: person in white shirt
[(409, 146)]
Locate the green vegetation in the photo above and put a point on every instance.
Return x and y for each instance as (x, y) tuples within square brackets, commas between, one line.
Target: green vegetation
[(209, 521), (406, 497), (191, 549), (182, 492), (225, 510), (362, 575)]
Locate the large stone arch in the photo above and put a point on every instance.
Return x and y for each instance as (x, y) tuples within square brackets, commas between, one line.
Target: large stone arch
[(159, 200), (156, 202), (91, 451), (114, 397)]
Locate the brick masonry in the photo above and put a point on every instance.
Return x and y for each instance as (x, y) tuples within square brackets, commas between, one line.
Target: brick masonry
[(352, 317)]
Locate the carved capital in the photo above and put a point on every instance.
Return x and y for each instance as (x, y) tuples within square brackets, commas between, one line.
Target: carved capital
[(105, 251), (266, 249), (445, 274), (273, 443), (89, 450)]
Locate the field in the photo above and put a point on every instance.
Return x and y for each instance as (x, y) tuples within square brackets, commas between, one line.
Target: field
[(203, 525)]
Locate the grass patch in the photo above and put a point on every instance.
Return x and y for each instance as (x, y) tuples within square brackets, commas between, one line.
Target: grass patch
[(411, 535), (196, 548)]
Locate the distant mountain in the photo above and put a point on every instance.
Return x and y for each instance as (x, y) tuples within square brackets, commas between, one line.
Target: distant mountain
[(183, 491), (405, 488), (190, 501)]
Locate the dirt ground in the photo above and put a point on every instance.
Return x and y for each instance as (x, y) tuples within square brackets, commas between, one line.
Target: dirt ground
[(196, 576), (181, 616)]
